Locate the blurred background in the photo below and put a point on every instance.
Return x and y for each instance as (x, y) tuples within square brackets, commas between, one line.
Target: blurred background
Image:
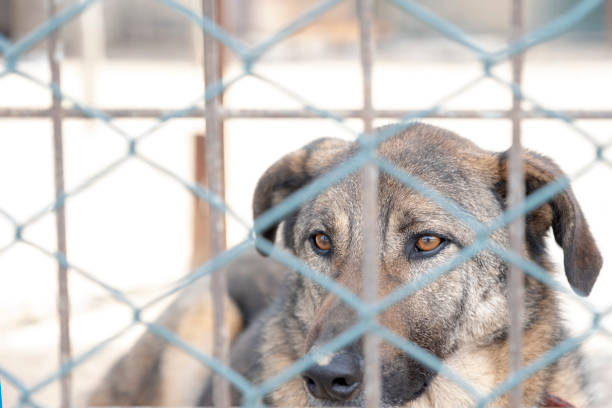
[(134, 227)]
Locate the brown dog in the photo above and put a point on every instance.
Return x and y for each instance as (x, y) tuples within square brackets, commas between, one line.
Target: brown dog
[(462, 317)]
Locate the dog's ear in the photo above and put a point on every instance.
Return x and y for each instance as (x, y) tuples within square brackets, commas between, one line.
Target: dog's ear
[(291, 173), (581, 257)]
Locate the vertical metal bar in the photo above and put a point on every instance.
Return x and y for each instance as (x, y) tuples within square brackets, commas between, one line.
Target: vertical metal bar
[(608, 22), (214, 168), (365, 11), (516, 194), (63, 300), (369, 176)]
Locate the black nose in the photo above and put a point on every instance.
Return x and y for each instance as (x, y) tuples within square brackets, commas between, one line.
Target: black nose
[(336, 380)]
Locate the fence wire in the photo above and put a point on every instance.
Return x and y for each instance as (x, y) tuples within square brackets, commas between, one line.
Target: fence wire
[(366, 158)]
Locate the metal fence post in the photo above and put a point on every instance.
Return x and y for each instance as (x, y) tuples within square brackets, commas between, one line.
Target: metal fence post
[(369, 176), (214, 169), (516, 194), (63, 297)]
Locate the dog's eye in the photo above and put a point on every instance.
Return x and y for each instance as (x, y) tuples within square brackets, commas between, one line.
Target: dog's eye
[(321, 242), (428, 243)]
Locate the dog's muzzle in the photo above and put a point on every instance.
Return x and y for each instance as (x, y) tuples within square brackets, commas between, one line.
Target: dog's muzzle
[(338, 380)]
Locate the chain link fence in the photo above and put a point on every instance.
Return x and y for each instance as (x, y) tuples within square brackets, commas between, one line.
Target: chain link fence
[(210, 107)]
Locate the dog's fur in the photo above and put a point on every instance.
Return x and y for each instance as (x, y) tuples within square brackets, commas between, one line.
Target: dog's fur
[(462, 317)]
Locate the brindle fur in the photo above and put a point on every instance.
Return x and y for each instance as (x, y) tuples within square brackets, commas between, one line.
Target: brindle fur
[(462, 317)]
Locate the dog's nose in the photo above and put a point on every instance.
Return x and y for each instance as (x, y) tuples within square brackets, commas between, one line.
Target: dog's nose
[(336, 380)]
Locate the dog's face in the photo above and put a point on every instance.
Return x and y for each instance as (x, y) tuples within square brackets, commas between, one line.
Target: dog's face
[(465, 307)]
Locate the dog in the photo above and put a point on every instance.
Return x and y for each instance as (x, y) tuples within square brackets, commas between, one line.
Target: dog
[(462, 317)]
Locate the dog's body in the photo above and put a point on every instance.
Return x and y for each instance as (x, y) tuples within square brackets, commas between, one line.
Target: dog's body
[(462, 317)]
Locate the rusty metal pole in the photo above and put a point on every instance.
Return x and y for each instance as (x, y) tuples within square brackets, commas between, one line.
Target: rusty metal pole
[(366, 16), (237, 113), (201, 209), (516, 195), (63, 299), (214, 169), (369, 177)]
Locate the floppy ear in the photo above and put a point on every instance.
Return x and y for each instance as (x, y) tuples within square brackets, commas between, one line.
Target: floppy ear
[(581, 257), (291, 173)]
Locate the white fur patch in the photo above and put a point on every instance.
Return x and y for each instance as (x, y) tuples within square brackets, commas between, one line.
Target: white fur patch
[(325, 360), (321, 359)]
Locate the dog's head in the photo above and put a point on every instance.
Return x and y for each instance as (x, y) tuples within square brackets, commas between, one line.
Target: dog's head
[(468, 305)]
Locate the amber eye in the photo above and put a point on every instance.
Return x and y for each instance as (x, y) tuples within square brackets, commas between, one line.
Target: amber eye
[(322, 242), (428, 243)]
